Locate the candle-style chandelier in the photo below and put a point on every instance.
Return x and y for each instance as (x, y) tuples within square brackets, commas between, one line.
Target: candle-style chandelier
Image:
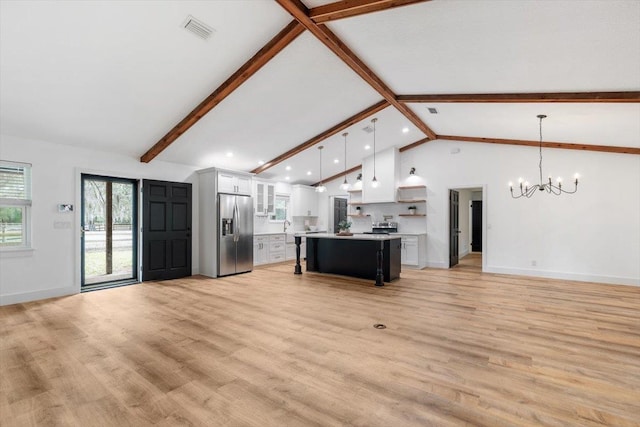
[(528, 190)]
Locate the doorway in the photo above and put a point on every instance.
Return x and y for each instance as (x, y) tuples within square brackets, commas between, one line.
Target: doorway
[(467, 227), (109, 244), (454, 227), (339, 212)]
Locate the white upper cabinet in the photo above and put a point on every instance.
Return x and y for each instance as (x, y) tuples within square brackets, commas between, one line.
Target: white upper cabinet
[(387, 164), (264, 198), (234, 183), (304, 201)]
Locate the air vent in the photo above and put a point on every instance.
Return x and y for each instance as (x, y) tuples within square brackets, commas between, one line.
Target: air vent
[(432, 110), (368, 129), (198, 27)]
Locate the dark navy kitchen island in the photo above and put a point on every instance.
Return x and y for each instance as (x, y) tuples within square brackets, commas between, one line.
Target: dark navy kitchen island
[(367, 256)]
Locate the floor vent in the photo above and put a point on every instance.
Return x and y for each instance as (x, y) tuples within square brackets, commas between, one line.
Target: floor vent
[(198, 27)]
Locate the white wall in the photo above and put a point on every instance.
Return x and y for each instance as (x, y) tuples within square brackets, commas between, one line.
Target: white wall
[(53, 267), (593, 235)]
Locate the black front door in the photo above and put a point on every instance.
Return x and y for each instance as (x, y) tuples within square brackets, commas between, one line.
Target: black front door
[(476, 226), (339, 213), (166, 230), (454, 228)]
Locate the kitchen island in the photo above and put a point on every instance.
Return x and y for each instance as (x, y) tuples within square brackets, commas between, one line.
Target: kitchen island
[(368, 256)]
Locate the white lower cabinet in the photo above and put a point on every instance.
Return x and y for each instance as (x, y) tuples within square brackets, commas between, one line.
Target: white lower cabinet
[(277, 248), (413, 252), (409, 251), (260, 250)]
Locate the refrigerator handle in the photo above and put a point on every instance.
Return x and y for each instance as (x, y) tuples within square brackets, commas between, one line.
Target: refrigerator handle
[(236, 223)]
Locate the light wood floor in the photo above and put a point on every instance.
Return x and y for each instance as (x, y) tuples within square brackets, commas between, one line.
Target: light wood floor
[(272, 349)]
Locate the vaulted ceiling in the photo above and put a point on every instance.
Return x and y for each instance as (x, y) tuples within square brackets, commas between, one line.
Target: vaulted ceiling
[(278, 78)]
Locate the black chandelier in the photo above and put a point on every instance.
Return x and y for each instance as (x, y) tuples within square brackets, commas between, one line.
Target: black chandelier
[(527, 190)]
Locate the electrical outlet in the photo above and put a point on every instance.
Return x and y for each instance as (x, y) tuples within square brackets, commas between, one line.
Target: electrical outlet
[(534, 263)]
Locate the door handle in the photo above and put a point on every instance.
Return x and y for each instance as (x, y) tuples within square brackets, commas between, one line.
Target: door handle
[(236, 228)]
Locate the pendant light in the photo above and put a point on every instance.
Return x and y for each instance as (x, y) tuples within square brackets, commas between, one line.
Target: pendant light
[(321, 188), (345, 184), (374, 181), (527, 191)]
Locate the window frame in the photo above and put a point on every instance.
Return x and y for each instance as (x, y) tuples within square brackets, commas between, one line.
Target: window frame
[(22, 203), (272, 218)]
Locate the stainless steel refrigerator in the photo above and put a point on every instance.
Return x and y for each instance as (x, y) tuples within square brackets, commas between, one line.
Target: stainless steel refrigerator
[(235, 234)]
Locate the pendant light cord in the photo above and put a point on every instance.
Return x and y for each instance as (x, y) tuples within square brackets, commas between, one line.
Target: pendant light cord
[(540, 163), (374, 147)]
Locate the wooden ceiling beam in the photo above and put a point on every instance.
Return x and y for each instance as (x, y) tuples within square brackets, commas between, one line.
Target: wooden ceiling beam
[(324, 135), (338, 175), (583, 97), (414, 145), (300, 12), (348, 8), (564, 145), (264, 55)]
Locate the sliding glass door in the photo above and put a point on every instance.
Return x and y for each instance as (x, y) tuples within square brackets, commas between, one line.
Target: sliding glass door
[(109, 238)]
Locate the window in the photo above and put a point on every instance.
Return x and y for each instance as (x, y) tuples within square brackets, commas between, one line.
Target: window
[(281, 208), (15, 205)]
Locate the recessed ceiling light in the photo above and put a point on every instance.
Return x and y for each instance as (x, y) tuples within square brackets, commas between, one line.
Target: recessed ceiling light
[(229, 154), (366, 147), (287, 178), (308, 172), (261, 162), (288, 168), (405, 129), (336, 161)]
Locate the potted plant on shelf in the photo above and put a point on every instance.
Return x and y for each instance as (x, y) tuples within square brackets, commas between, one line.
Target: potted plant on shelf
[(412, 210), (344, 227)]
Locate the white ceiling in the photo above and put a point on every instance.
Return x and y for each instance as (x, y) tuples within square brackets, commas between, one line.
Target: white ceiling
[(118, 76)]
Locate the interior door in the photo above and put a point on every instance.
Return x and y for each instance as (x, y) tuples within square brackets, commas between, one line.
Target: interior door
[(476, 226), (166, 230), (454, 227), (339, 212), (109, 239)]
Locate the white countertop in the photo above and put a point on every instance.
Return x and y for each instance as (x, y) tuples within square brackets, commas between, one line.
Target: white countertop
[(408, 234), (354, 237), (268, 233)]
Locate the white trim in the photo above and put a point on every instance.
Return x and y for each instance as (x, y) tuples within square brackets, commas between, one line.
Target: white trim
[(613, 280), (438, 264), (78, 220), (17, 298)]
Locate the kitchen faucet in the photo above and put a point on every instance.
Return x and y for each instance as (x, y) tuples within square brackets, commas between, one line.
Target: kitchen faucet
[(286, 222)]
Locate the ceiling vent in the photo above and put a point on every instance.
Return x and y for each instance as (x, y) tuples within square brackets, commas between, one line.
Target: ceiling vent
[(368, 129), (198, 27), (432, 110)]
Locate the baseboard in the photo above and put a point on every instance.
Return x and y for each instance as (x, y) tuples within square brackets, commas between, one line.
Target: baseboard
[(37, 295), (565, 276), (432, 264), (464, 253)]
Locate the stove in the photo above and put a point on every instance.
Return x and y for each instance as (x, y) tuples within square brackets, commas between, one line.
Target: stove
[(385, 227)]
